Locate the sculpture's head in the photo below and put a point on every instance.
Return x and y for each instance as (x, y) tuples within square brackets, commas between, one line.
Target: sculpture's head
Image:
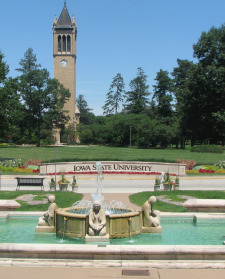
[(96, 205), (51, 198), (152, 200)]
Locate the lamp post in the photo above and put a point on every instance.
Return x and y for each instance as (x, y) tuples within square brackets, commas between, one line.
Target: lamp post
[(130, 134), (55, 166)]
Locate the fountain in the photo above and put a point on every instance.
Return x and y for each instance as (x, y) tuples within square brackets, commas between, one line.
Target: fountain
[(98, 221)]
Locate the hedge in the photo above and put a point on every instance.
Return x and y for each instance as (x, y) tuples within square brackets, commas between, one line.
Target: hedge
[(207, 148)]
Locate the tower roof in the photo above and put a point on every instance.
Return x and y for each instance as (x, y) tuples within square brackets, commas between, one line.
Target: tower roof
[(64, 19)]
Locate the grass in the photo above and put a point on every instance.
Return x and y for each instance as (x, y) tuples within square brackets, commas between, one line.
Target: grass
[(103, 153), (66, 199), (63, 199), (140, 198)]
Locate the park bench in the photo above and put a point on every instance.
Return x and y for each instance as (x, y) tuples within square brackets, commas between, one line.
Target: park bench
[(28, 181)]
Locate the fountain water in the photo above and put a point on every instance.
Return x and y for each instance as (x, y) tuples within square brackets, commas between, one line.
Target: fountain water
[(98, 196), (64, 227), (162, 180), (120, 221)]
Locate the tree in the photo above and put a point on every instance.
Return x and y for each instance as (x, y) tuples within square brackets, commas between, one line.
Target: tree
[(183, 106), (27, 86), (43, 97), (137, 98), (162, 94), (209, 50), (10, 109), (4, 69), (114, 96), (86, 116)]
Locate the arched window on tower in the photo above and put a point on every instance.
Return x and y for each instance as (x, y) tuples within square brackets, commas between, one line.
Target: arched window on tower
[(59, 43), (68, 43), (64, 43)]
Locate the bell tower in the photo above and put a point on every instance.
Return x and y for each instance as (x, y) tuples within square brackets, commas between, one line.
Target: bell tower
[(64, 55)]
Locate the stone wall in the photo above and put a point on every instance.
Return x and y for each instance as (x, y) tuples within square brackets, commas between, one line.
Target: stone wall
[(114, 167)]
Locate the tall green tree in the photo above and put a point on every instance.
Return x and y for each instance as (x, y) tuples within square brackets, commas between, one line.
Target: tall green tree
[(11, 108), (163, 94), (209, 50), (184, 109), (43, 97), (86, 116), (137, 99), (27, 85), (4, 69), (115, 95)]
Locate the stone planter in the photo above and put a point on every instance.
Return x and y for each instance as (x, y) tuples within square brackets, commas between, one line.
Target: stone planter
[(166, 187), (52, 187), (176, 187), (63, 187), (156, 187), (74, 187)]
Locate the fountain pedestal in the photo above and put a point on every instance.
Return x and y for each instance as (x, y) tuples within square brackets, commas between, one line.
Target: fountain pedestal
[(104, 238)]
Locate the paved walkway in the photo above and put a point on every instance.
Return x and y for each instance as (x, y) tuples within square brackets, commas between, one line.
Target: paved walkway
[(124, 184), (107, 273)]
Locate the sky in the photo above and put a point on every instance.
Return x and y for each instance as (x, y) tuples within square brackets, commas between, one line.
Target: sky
[(114, 36)]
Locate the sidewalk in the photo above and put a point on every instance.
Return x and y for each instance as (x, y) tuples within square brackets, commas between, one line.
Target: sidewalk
[(123, 183), (108, 273)]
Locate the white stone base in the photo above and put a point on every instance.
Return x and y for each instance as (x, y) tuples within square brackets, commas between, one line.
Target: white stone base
[(8, 205), (152, 229), (45, 229), (104, 238), (205, 205)]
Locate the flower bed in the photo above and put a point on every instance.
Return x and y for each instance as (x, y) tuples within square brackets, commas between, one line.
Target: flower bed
[(206, 169), (18, 166)]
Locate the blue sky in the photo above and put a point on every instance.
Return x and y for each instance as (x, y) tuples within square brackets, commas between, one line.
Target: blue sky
[(114, 36)]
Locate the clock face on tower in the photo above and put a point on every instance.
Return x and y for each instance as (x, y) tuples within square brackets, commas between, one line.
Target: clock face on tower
[(63, 63)]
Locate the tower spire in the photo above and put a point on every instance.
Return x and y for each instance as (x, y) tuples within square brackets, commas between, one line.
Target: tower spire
[(64, 3)]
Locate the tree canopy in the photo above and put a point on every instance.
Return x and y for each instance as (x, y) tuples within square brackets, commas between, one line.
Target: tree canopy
[(187, 105), (115, 96), (137, 98)]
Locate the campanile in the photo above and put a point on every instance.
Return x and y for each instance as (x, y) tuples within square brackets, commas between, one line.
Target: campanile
[(64, 55)]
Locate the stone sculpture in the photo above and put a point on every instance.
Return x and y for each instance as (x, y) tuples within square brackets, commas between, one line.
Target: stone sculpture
[(151, 218), (97, 220), (49, 216)]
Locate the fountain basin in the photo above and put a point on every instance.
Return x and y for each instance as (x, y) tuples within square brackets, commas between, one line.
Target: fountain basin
[(123, 224), (141, 255)]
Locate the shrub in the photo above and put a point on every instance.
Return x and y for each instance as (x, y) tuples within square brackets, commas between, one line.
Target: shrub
[(220, 164), (10, 169), (207, 148), (32, 162), (210, 167), (23, 170), (3, 145), (189, 163), (157, 181), (11, 163)]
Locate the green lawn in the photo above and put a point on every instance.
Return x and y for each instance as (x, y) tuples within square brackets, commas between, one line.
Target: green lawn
[(142, 197), (102, 153), (66, 199), (63, 199)]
